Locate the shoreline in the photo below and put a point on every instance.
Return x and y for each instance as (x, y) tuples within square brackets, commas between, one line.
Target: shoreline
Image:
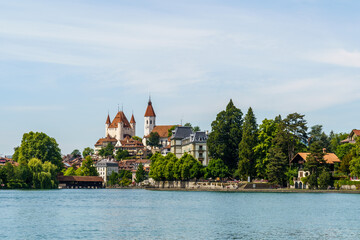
[(282, 190)]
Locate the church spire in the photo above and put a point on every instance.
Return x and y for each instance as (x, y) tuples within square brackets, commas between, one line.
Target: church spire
[(132, 120), (150, 110), (108, 119)]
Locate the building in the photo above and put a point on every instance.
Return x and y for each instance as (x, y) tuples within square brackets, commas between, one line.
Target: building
[(352, 136), (105, 167), (184, 140), (300, 159), (116, 130), (150, 126)]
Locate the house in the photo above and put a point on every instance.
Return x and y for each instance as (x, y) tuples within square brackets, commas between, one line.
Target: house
[(299, 159), (80, 181), (352, 136), (131, 145), (105, 167), (184, 140)]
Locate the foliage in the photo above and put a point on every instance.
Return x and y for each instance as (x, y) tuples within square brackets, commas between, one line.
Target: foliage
[(249, 140), (344, 149), (355, 167), (171, 168), (87, 168), (87, 152), (121, 154), (140, 173), (267, 132), (313, 181), (170, 130), (216, 169), (335, 139), (316, 134), (324, 180), (276, 168), (70, 172), (224, 139), (122, 178), (153, 140), (345, 163), (76, 153), (40, 146), (137, 138), (194, 129), (290, 174), (107, 151)]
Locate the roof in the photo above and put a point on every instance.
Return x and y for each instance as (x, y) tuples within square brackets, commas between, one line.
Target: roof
[(356, 132), (106, 163), (120, 118), (132, 120), (79, 179), (330, 158), (182, 132), (129, 142), (101, 141), (108, 120), (200, 136), (162, 130), (150, 110)]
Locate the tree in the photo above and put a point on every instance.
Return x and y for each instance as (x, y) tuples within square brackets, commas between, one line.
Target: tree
[(170, 130), (335, 139), (355, 167), (324, 179), (137, 138), (70, 172), (121, 154), (87, 168), (345, 163), (140, 173), (266, 134), (107, 151), (194, 129), (76, 153), (87, 152), (296, 133), (153, 140), (216, 168), (247, 157), (317, 135), (344, 149), (276, 168), (40, 146), (223, 141)]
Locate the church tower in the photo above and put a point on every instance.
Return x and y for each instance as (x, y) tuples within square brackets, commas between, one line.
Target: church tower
[(107, 124), (133, 124), (149, 119)]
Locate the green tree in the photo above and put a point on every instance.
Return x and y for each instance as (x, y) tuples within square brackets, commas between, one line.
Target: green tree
[(87, 152), (295, 127), (223, 141), (194, 129), (312, 181), (216, 168), (153, 140), (335, 139), (266, 134), (324, 179), (190, 167), (137, 138), (113, 179), (107, 151), (316, 134), (40, 146), (344, 149), (355, 167), (140, 173), (276, 168), (76, 153), (247, 157), (87, 168), (70, 172), (345, 163), (170, 130), (121, 154), (23, 175)]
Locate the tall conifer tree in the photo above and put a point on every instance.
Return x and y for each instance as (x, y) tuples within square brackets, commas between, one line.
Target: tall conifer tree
[(247, 158), (224, 139)]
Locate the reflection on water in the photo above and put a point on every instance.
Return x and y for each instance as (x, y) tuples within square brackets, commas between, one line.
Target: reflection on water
[(141, 214)]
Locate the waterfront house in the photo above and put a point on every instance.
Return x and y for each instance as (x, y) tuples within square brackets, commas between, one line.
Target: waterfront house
[(355, 133), (299, 160), (105, 167)]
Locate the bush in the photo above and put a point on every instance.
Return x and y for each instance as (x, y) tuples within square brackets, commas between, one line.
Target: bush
[(324, 180)]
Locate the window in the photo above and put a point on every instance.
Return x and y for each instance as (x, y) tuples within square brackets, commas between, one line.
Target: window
[(200, 155), (200, 147), (150, 122), (147, 121)]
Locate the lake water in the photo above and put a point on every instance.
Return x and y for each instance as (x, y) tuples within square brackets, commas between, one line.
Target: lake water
[(142, 214)]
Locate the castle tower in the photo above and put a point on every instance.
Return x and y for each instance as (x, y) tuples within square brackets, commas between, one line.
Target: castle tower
[(149, 119), (107, 124), (133, 124)]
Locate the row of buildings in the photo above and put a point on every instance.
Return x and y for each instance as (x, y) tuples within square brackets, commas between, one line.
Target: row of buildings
[(120, 132)]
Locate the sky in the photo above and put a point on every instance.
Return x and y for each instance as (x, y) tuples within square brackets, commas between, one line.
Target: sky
[(65, 64)]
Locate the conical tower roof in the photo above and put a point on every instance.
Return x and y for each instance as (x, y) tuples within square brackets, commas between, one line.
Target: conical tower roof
[(108, 120), (132, 120), (150, 110)]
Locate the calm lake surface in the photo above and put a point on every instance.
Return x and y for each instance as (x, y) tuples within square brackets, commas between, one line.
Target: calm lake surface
[(142, 214)]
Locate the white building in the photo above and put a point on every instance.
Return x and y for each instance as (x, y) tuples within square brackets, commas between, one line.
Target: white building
[(105, 167)]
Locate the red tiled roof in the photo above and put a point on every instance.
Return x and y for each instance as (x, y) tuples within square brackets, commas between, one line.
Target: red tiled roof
[(105, 140), (150, 110), (120, 117), (108, 120), (129, 142), (132, 120), (79, 179), (329, 158), (356, 132), (162, 130)]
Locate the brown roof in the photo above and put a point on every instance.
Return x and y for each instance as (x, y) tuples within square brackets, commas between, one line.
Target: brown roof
[(101, 141), (356, 132), (329, 158), (108, 120), (129, 142), (162, 130), (132, 120), (150, 110), (120, 117), (80, 179)]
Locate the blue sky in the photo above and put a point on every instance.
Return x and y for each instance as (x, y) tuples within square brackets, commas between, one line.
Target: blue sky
[(65, 64)]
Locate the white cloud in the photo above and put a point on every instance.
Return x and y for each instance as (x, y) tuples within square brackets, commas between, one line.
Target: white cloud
[(340, 57)]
